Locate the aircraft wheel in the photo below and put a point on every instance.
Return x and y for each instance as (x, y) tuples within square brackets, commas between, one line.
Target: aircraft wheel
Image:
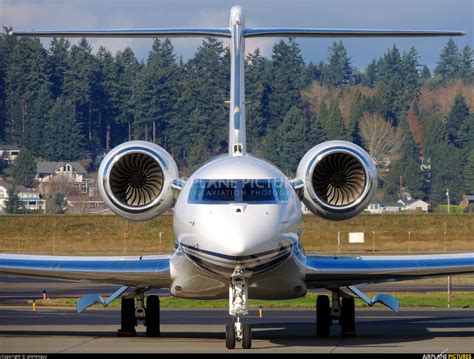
[(348, 317), (323, 316), (246, 336), (128, 320), (152, 316), (230, 336)]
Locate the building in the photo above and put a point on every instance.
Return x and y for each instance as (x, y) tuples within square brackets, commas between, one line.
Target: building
[(28, 198), (396, 207), (57, 172), (9, 152), (415, 205), (86, 204)]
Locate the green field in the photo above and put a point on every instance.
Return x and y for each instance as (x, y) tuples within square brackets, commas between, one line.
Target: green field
[(407, 300), (111, 235)]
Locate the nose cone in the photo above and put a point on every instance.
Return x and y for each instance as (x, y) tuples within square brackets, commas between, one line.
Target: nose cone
[(239, 232)]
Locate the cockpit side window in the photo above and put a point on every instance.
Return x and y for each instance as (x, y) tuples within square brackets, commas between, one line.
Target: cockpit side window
[(222, 191)]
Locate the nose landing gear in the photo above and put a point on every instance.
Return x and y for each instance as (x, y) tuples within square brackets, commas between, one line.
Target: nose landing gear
[(238, 308)]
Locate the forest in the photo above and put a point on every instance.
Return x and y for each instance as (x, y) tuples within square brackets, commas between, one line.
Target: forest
[(67, 102)]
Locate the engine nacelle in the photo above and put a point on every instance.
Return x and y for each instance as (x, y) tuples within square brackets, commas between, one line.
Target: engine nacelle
[(340, 179), (135, 180)]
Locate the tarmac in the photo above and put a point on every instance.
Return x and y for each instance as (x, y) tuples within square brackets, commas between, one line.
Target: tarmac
[(61, 330)]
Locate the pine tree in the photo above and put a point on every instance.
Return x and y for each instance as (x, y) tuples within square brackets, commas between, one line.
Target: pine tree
[(80, 87), (425, 72), (335, 129), (410, 77), (12, 204), (24, 169), (63, 136), (286, 80), (457, 116), (28, 88), (128, 69), (466, 70), (58, 64), (469, 172), (257, 90), (449, 62), (371, 75), (339, 70)]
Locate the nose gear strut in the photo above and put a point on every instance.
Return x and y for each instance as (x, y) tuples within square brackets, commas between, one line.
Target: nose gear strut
[(238, 308)]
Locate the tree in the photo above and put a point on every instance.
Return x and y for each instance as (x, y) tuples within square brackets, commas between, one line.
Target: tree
[(63, 136), (257, 89), (469, 172), (449, 62), (56, 203), (290, 140), (286, 80), (24, 169), (457, 116), (371, 75), (466, 70), (12, 204), (382, 141), (335, 129), (339, 71), (410, 76)]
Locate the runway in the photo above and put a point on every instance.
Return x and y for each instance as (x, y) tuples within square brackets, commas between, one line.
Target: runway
[(194, 331), (56, 330)]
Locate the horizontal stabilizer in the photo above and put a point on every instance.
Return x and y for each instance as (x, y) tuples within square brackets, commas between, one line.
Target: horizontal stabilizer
[(88, 300), (140, 33), (313, 32)]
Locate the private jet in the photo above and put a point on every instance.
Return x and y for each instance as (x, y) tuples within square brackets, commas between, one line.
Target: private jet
[(238, 218)]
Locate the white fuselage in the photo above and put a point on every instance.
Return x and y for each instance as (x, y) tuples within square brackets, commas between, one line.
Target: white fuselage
[(214, 237)]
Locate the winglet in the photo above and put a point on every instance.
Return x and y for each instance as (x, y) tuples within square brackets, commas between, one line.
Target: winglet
[(386, 299), (91, 299)]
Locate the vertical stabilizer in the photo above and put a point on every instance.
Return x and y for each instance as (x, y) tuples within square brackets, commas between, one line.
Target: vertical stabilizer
[(237, 138)]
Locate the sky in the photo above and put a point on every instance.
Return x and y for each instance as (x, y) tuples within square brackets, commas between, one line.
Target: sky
[(396, 14)]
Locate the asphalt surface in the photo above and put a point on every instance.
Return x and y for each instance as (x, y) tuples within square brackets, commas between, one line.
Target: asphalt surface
[(55, 330), (14, 288), (194, 331)]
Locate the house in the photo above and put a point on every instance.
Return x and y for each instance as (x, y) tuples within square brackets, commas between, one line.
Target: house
[(392, 207), (375, 208), (414, 205), (395, 207), (51, 172), (9, 152), (29, 198)]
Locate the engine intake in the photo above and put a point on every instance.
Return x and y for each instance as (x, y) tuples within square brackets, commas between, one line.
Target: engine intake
[(135, 180), (340, 179)]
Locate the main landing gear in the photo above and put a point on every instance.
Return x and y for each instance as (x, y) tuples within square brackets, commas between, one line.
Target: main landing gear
[(342, 309), (133, 310), (238, 307)]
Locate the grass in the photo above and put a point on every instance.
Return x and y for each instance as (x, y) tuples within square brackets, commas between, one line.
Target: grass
[(111, 235), (407, 300)]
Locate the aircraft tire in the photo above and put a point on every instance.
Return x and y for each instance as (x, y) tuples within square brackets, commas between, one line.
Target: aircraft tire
[(152, 316), (230, 336), (247, 336), (323, 316), (348, 317)]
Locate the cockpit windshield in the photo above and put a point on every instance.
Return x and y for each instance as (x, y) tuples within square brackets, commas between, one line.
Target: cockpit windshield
[(254, 191)]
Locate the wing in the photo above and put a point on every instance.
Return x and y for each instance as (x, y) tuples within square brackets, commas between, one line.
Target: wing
[(144, 271), (335, 271)]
